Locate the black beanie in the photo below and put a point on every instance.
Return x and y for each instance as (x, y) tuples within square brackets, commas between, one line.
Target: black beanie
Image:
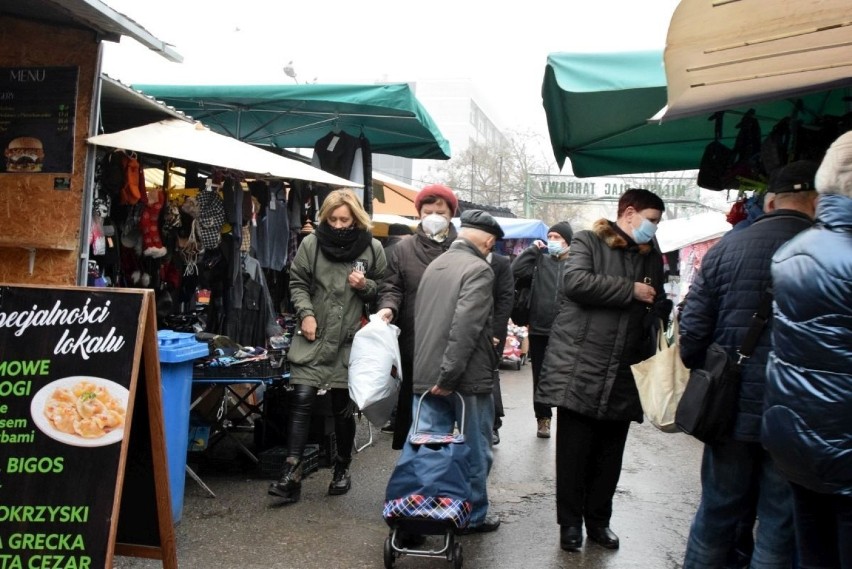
[(563, 228)]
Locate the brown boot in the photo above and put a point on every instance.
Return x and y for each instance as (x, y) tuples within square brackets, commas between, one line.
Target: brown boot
[(543, 428), (289, 485)]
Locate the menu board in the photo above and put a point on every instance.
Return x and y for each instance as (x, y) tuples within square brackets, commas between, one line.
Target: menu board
[(37, 111), (67, 390)]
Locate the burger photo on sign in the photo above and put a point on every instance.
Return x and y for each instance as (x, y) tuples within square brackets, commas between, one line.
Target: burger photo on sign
[(24, 154)]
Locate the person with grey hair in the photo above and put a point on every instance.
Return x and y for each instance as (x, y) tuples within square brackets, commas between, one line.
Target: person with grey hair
[(454, 351), (807, 421)]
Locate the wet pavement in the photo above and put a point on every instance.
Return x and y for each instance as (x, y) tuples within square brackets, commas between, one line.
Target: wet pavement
[(242, 527)]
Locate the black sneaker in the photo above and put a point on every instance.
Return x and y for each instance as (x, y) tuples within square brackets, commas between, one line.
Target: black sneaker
[(495, 437), (388, 428)]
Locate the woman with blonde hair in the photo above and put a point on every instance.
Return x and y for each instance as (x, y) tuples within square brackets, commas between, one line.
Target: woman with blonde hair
[(335, 273)]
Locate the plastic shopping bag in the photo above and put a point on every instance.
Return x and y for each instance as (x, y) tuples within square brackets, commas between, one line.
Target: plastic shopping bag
[(375, 370), (661, 380)]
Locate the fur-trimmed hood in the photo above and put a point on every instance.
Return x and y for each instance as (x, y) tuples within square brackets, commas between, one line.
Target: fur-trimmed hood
[(614, 238)]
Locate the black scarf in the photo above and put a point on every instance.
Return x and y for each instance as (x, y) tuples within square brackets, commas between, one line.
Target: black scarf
[(336, 248)]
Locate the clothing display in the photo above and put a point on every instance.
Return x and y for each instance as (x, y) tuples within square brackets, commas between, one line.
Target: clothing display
[(349, 157), (209, 252)]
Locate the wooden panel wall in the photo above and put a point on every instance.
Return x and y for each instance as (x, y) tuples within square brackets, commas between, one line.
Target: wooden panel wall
[(32, 213)]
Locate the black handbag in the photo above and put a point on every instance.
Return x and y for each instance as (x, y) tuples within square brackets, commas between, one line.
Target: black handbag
[(714, 168), (523, 298), (708, 407)]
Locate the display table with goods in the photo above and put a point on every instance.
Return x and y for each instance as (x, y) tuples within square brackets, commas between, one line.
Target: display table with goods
[(229, 397)]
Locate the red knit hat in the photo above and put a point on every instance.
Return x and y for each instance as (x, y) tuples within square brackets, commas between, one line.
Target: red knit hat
[(438, 191)]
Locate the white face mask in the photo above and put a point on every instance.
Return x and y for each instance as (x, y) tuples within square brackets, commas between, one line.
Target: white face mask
[(434, 224)]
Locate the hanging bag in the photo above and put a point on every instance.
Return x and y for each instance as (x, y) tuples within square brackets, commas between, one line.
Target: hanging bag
[(523, 298), (708, 407), (716, 160), (661, 379)]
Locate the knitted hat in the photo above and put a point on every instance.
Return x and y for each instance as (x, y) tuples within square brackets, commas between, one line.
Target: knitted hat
[(482, 220), (563, 228), (437, 191), (796, 176), (835, 173)]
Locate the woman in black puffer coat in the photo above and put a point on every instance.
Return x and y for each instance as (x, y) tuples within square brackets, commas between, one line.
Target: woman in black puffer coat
[(612, 279)]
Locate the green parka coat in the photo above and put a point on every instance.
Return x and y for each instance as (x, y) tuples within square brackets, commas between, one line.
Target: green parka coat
[(319, 288)]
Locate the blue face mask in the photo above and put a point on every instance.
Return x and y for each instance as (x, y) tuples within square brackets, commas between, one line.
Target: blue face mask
[(645, 232), (555, 248)]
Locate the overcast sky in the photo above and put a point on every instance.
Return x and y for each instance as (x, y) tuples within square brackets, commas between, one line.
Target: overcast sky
[(501, 47)]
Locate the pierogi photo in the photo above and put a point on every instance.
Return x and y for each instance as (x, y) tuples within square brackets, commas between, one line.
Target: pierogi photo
[(82, 411)]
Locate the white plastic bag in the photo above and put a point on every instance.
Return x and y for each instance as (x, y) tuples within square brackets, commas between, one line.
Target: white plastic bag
[(661, 380), (375, 370)]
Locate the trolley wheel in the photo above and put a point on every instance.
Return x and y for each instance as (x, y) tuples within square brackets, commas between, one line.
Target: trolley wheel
[(458, 559), (389, 554)]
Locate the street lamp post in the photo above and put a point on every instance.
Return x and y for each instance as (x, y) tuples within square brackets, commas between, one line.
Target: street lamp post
[(290, 72)]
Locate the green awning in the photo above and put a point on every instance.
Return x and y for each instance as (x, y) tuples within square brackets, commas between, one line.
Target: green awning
[(598, 107), (296, 116)]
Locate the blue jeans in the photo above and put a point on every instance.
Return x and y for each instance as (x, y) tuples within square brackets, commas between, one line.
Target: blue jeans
[(437, 415), (732, 474)]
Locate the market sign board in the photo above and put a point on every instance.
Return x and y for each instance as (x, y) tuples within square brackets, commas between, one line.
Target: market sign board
[(571, 188), (69, 364), (37, 113)]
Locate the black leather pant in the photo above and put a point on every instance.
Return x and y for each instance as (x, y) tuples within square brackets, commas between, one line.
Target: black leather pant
[(302, 400)]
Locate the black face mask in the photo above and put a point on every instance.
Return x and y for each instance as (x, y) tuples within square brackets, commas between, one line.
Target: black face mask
[(343, 233)]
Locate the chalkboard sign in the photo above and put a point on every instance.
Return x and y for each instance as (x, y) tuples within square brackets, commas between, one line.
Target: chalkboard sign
[(69, 364), (37, 106)]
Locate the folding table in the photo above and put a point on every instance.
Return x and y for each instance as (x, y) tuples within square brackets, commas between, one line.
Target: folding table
[(242, 404)]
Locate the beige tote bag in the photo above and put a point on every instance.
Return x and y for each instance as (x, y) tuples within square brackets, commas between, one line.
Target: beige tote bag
[(661, 380)]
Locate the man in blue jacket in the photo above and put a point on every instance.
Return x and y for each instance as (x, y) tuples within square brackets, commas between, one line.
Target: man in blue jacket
[(734, 275)]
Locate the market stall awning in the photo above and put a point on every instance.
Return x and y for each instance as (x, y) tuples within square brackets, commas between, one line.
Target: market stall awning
[(392, 196), (182, 140), (727, 54), (296, 116), (382, 221), (599, 106), (677, 233), (518, 227)]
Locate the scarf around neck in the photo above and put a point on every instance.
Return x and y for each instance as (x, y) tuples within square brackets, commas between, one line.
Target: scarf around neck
[(346, 249)]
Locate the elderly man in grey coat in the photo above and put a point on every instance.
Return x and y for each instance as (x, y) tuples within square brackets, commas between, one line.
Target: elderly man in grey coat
[(454, 350)]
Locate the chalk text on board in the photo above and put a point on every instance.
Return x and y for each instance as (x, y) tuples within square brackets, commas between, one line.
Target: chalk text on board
[(35, 514), (87, 344), (57, 315), (13, 368)]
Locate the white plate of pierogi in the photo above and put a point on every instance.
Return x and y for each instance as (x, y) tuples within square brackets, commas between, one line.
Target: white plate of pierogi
[(83, 411)]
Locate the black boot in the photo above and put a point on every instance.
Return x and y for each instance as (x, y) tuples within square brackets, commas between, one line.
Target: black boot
[(341, 481), (289, 486)]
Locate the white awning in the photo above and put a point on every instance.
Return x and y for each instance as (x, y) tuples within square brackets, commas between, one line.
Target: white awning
[(721, 55), (182, 140), (675, 234)]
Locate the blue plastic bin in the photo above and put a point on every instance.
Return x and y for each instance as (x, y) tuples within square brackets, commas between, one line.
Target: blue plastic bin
[(177, 351)]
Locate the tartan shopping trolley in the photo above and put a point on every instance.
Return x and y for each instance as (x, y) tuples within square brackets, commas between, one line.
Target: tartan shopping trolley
[(429, 492)]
